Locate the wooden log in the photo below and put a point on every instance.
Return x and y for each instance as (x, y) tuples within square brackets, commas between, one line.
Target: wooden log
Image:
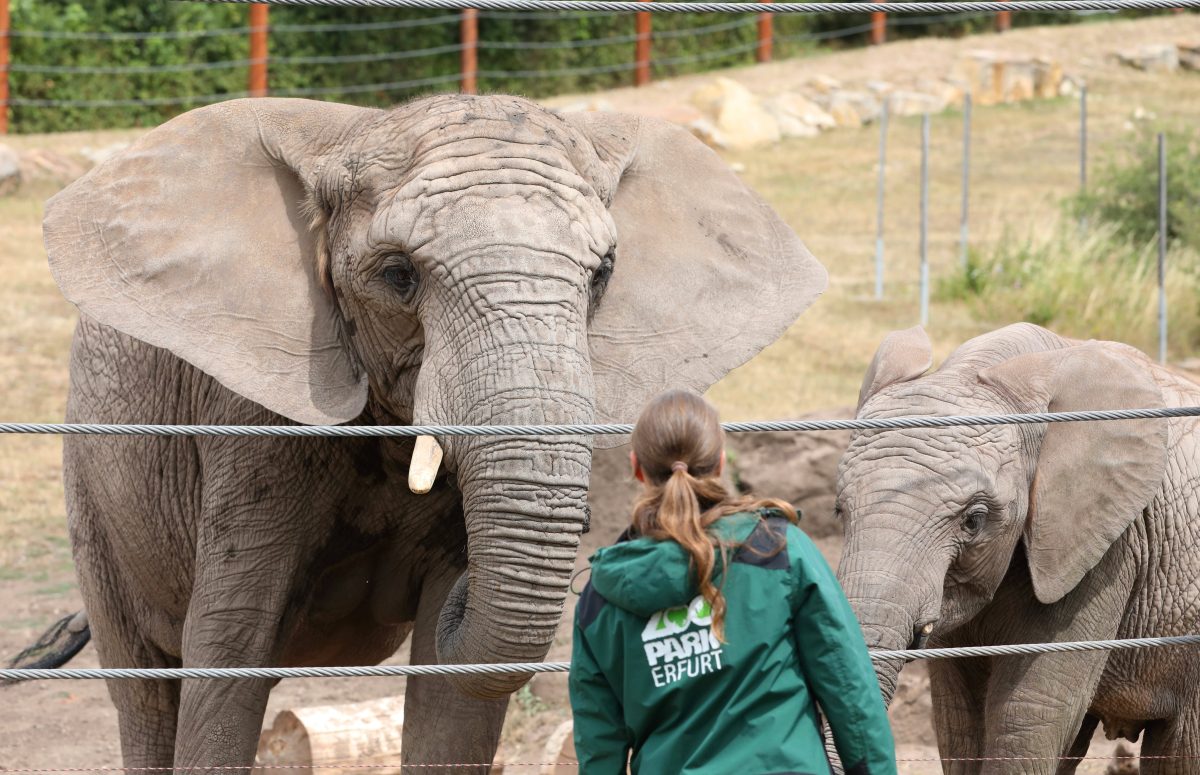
[(358, 733)]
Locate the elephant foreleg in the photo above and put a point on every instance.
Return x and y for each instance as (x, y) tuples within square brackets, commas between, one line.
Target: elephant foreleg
[(958, 689), (1079, 748), (442, 725), (1036, 706)]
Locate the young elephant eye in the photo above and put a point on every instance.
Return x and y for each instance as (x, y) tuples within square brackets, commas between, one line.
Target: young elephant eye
[(600, 279), (974, 518), (401, 276)]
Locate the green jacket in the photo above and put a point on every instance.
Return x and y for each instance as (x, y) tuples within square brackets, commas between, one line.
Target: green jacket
[(649, 678)]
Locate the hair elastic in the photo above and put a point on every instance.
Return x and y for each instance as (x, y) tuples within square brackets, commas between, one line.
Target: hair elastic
[(679, 465)]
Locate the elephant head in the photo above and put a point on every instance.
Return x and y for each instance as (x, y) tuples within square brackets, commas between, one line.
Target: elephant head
[(473, 260), (936, 518)]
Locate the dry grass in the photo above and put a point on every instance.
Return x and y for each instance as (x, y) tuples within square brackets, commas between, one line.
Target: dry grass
[(1025, 159)]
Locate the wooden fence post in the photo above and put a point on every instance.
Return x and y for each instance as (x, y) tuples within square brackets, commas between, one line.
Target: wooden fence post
[(1003, 20), (469, 30), (766, 35), (878, 28), (4, 21), (258, 50), (641, 54)]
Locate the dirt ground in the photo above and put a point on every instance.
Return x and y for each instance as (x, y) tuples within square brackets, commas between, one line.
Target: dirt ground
[(1025, 157)]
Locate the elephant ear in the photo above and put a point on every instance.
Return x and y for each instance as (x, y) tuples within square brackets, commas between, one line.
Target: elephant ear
[(197, 240), (1091, 479), (902, 356), (706, 273)]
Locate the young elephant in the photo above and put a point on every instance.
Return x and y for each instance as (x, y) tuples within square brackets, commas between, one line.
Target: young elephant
[(1033, 533), (473, 260)]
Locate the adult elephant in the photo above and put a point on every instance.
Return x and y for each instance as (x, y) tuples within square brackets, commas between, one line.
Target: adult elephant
[(474, 260), (1033, 533)]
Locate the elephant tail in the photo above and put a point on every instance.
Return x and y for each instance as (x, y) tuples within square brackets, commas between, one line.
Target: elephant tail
[(57, 646)]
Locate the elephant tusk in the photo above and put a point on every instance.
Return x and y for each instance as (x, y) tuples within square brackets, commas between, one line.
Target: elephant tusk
[(927, 630), (423, 468)]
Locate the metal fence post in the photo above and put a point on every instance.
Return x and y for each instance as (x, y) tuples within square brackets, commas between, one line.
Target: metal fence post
[(1162, 248), (1083, 147), (879, 195), (4, 26), (963, 230), (766, 36), (257, 86), (641, 53), (878, 27), (469, 56), (925, 219)]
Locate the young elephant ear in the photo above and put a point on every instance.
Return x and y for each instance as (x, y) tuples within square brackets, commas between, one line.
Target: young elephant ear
[(197, 240), (902, 356), (706, 273), (1092, 479)]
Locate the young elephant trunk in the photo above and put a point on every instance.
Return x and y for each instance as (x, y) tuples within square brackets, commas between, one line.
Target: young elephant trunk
[(525, 505)]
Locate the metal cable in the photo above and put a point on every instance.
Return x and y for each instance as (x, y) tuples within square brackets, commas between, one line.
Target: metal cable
[(845, 32), (392, 671), (634, 6), (615, 429), (239, 31)]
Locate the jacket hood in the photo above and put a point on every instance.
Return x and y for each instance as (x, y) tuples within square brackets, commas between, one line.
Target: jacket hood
[(645, 576)]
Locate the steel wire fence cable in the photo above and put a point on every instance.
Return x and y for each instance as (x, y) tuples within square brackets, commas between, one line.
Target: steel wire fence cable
[(401, 766), (393, 671), (590, 429), (844, 32), (635, 6), (238, 31)]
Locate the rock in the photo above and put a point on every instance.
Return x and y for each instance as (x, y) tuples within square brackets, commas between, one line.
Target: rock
[(798, 116), (1153, 58), (737, 167), (1189, 55), (949, 92), (1047, 78), (10, 171), (1124, 762), (676, 113), (992, 78), (39, 164), (853, 108), (710, 97), (824, 84), (708, 133), (880, 88), (100, 155), (911, 103), (558, 755), (800, 468), (1141, 114)]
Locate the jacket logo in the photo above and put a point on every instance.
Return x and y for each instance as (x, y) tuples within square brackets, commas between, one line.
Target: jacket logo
[(679, 643)]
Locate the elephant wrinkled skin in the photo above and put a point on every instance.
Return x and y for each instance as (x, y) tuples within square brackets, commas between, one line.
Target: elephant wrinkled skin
[(474, 260), (1032, 533)]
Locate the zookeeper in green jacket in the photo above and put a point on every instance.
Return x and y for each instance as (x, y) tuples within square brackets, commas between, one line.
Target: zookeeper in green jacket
[(708, 635)]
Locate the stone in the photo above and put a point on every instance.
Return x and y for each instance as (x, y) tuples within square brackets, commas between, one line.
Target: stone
[(1018, 80), (911, 103), (712, 95), (853, 108), (1189, 55), (798, 116), (824, 84), (1048, 78), (745, 123), (993, 78), (949, 92), (100, 155), (1153, 58), (41, 164), (676, 113), (10, 171), (708, 134), (978, 70), (880, 88)]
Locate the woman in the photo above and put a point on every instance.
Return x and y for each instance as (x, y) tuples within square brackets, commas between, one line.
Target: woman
[(708, 634)]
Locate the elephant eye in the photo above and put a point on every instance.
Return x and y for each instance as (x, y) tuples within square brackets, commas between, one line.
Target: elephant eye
[(401, 276), (974, 518), (600, 279)]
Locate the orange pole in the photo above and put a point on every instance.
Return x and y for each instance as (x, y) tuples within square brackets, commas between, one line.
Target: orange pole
[(766, 35), (258, 50), (4, 67), (878, 27), (469, 59), (641, 54), (1003, 20)]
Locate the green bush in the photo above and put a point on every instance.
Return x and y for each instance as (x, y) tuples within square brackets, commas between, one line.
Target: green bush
[(1099, 284), (1125, 193)]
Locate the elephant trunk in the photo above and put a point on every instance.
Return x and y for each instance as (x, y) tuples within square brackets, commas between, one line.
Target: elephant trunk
[(894, 609), (525, 506)]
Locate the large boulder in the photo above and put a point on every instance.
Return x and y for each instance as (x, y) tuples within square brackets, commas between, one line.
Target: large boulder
[(10, 171), (1189, 55), (798, 116), (993, 78), (800, 468), (740, 118), (851, 108), (911, 103), (1153, 58)]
